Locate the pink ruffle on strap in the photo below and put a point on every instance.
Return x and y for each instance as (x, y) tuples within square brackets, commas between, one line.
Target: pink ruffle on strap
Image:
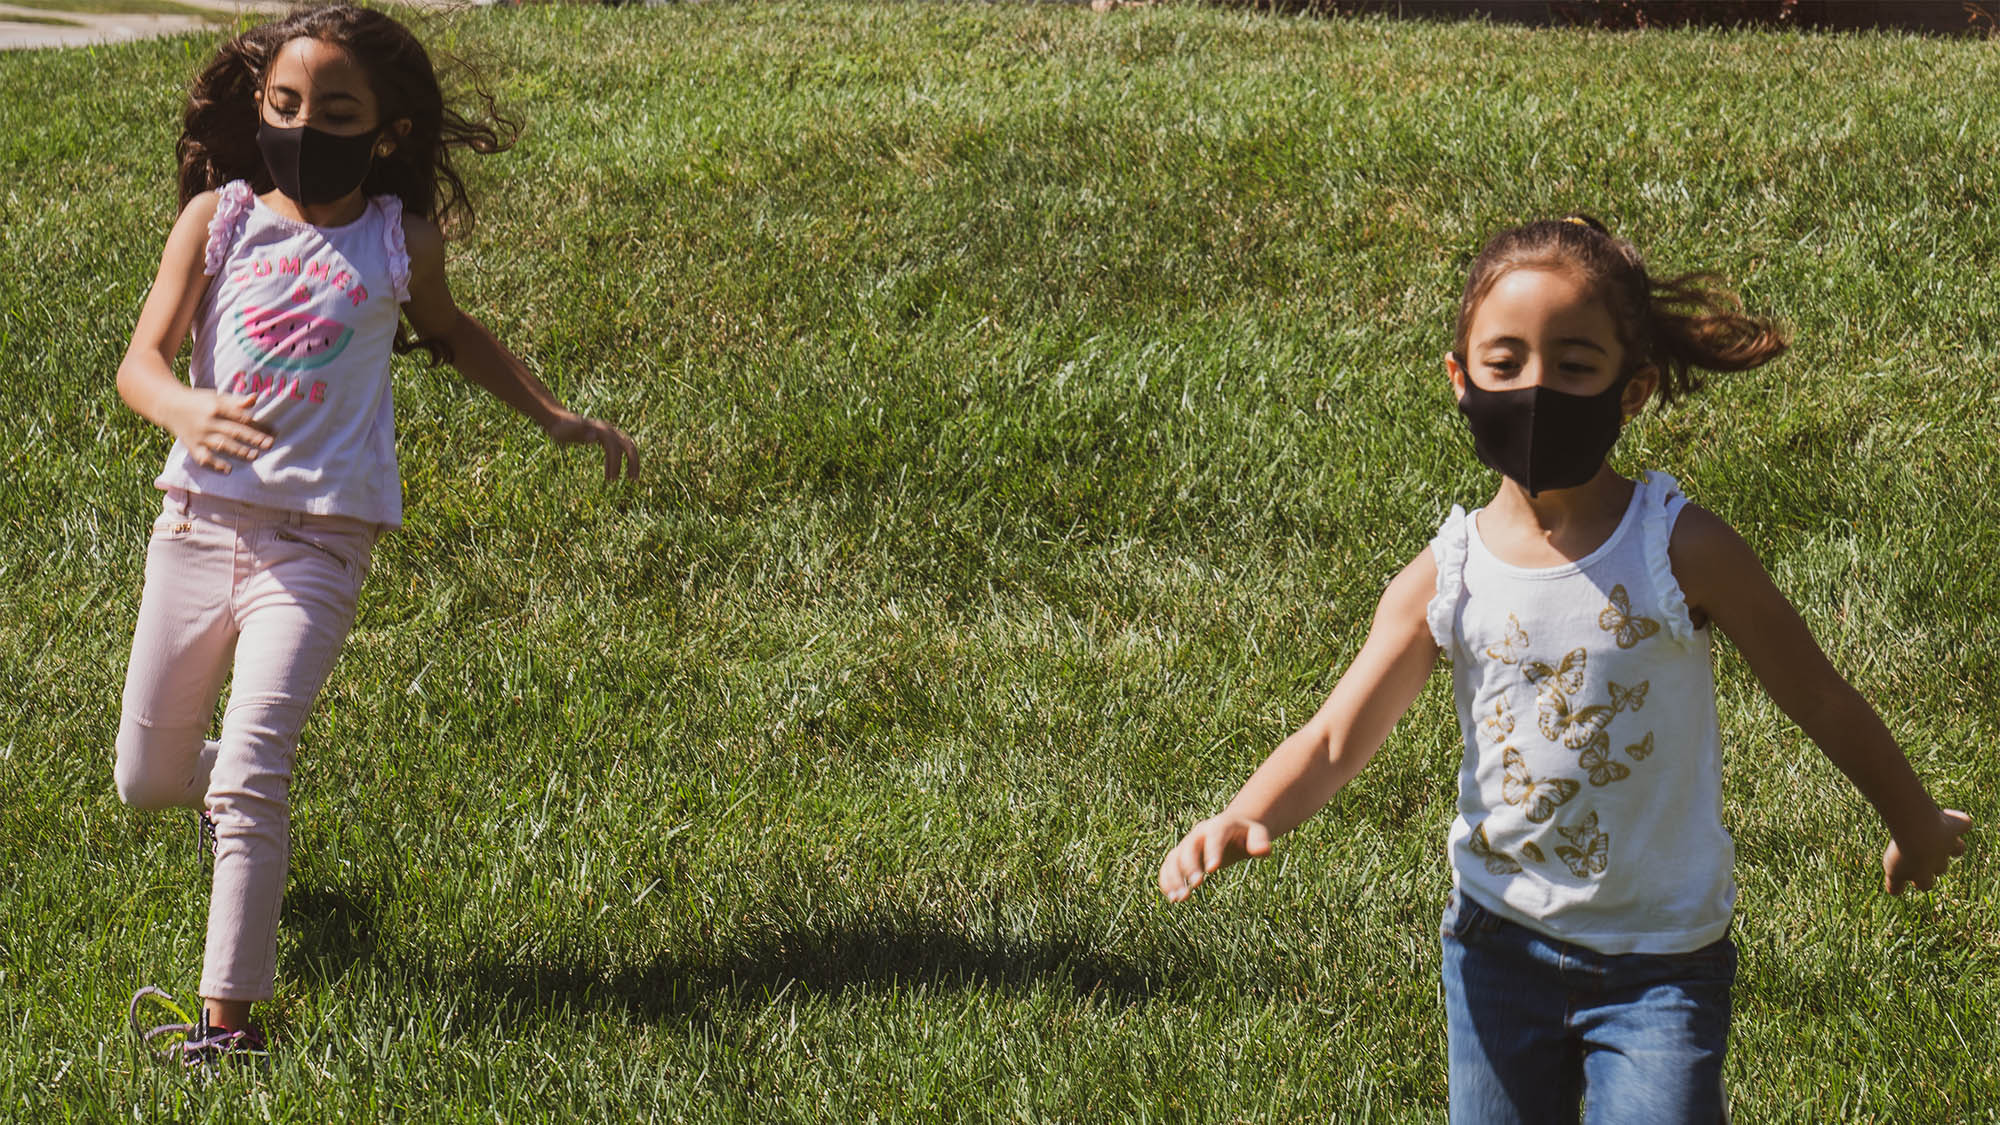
[(1448, 549), (1660, 503), (232, 203), (392, 241)]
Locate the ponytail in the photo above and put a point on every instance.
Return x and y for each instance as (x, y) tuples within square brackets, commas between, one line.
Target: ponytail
[(1698, 325), (1681, 326)]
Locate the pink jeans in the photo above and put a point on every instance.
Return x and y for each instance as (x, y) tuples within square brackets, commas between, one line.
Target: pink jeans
[(276, 590)]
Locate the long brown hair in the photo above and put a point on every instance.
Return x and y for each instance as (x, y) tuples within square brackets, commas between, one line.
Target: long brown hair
[(219, 127), (1678, 325)]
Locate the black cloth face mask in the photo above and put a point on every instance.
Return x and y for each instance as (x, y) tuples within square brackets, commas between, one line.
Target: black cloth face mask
[(313, 166), (1542, 438)]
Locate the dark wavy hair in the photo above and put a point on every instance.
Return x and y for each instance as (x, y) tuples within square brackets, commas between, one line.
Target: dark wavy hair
[(219, 127), (1678, 325)]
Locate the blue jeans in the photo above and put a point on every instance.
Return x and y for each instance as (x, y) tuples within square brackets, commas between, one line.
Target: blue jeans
[(1536, 1026)]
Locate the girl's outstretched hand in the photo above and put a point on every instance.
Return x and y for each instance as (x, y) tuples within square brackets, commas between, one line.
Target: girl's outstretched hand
[(1922, 861), (619, 450), (1209, 847), (217, 428)]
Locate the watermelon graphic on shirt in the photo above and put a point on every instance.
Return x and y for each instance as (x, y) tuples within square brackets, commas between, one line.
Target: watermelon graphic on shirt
[(290, 339)]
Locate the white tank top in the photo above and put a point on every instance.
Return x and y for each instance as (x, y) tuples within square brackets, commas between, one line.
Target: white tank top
[(303, 317), (1590, 795)]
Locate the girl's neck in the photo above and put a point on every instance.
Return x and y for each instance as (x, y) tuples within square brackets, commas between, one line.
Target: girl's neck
[(1557, 526), (339, 213)]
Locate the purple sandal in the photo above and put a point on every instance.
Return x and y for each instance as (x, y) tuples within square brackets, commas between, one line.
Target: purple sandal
[(187, 1040)]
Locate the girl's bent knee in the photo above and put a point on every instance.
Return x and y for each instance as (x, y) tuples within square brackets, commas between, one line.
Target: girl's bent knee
[(145, 792), (157, 768)]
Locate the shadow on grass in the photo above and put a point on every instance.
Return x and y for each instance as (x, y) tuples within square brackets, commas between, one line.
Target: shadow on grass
[(828, 960), (336, 928)]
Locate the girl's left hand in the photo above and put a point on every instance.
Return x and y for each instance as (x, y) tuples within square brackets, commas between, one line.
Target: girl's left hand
[(619, 450), (1922, 862)]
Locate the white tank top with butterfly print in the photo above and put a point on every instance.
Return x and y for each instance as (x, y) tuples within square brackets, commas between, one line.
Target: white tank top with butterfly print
[(1590, 796)]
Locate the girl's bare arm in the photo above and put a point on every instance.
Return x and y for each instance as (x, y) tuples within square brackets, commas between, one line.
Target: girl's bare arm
[(482, 358), (216, 428), (1722, 578)]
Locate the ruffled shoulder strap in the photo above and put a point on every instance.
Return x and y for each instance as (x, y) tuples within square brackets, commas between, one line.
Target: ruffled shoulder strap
[(1661, 501), (232, 204), (391, 209), (1448, 549)]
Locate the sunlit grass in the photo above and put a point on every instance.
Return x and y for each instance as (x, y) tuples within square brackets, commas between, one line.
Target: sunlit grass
[(115, 8), (1035, 403)]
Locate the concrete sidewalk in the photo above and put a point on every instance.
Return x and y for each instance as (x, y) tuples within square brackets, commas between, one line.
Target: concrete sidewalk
[(87, 29)]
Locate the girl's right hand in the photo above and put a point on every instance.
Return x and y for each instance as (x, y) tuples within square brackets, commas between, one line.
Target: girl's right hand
[(1209, 847), (1917, 862), (215, 427)]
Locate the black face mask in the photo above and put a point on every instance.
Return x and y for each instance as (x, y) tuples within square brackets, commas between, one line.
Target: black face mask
[(313, 166), (1542, 438)]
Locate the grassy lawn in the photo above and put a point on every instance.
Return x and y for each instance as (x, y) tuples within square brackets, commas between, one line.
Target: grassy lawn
[(39, 21), (115, 8), (1036, 403)]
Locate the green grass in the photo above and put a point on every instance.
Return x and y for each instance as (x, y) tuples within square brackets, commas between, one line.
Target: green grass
[(1035, 403), (40, 21), (116, 8)]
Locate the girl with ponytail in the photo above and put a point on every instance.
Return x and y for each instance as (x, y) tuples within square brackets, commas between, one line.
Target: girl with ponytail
[(1586, 936)]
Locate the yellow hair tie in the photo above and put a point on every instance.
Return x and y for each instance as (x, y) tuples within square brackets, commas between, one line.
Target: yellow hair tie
[(1574, 219)]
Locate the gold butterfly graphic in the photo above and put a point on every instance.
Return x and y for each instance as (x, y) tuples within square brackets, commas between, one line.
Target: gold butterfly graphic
[(1506, 651), (1538, 798), (1629, 698), (1592, 849), (1577, 728), (1641, 748), (1529, 849), (1603, 769), (1497, 862), (1565, 679), (1500, 723), (1574, 729), (1617, 618)]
